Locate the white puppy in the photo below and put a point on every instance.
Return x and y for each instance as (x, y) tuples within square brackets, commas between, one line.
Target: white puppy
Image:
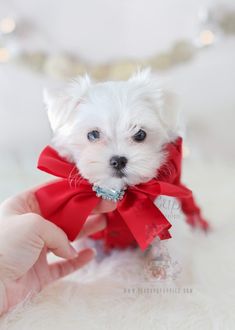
[(113, 131)]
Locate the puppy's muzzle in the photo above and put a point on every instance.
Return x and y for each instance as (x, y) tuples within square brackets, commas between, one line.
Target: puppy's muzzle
[(118, 163)]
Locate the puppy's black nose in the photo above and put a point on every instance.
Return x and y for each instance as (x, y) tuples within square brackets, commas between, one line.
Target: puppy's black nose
[(118, 162)]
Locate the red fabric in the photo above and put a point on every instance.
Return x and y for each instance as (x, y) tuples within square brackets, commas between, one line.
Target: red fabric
[(70, 200)]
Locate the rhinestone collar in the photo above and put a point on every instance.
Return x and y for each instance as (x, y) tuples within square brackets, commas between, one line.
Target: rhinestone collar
[(109, 194)]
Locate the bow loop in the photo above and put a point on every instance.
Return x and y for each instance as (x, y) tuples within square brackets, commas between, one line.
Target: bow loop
[(51, 162), (144, 219), (155, 188), (61, 204)]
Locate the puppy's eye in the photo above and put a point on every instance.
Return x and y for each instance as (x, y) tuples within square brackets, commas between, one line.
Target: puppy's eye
[(139, 136), (93, 135)]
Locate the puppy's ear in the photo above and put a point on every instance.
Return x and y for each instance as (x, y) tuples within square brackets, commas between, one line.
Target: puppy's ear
[(57, 108), (163, 101), (168, 107), (62, 104)]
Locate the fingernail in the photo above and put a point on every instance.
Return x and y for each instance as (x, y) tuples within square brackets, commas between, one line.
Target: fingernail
[(87, 254)]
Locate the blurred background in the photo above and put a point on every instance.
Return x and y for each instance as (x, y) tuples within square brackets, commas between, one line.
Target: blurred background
[(189, 44)]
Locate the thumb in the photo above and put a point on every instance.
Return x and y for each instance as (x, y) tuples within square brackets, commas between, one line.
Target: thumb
[(55, 239)]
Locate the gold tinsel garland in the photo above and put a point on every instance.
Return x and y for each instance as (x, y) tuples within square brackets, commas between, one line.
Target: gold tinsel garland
[(66, 66), (212, 23)]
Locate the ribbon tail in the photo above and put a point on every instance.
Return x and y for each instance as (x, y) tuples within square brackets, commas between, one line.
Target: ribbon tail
[(193, 212), (169, 189), (65, 207), (144, 220)]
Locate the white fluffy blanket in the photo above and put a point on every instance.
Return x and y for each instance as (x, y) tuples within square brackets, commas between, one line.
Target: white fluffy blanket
[(113, 292)]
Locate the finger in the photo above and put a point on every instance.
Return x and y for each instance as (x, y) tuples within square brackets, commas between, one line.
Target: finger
[(66, 267), (55, 239), (15, 205), (105, 206), (93, 224), (23, 202)]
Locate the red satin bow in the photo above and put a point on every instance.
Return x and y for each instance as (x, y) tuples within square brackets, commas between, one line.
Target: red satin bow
[(69, 201)]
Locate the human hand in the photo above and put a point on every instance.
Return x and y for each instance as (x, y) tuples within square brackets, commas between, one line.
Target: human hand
[(25, 239)]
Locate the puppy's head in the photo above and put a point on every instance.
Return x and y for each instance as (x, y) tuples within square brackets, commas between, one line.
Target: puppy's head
[(113, 131)]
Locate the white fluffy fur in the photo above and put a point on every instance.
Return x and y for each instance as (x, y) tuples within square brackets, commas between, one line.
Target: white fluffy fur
[(117, 110), (94, 298)]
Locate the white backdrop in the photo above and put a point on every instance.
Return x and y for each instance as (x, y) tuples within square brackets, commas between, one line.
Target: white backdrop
[(99, 31)]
